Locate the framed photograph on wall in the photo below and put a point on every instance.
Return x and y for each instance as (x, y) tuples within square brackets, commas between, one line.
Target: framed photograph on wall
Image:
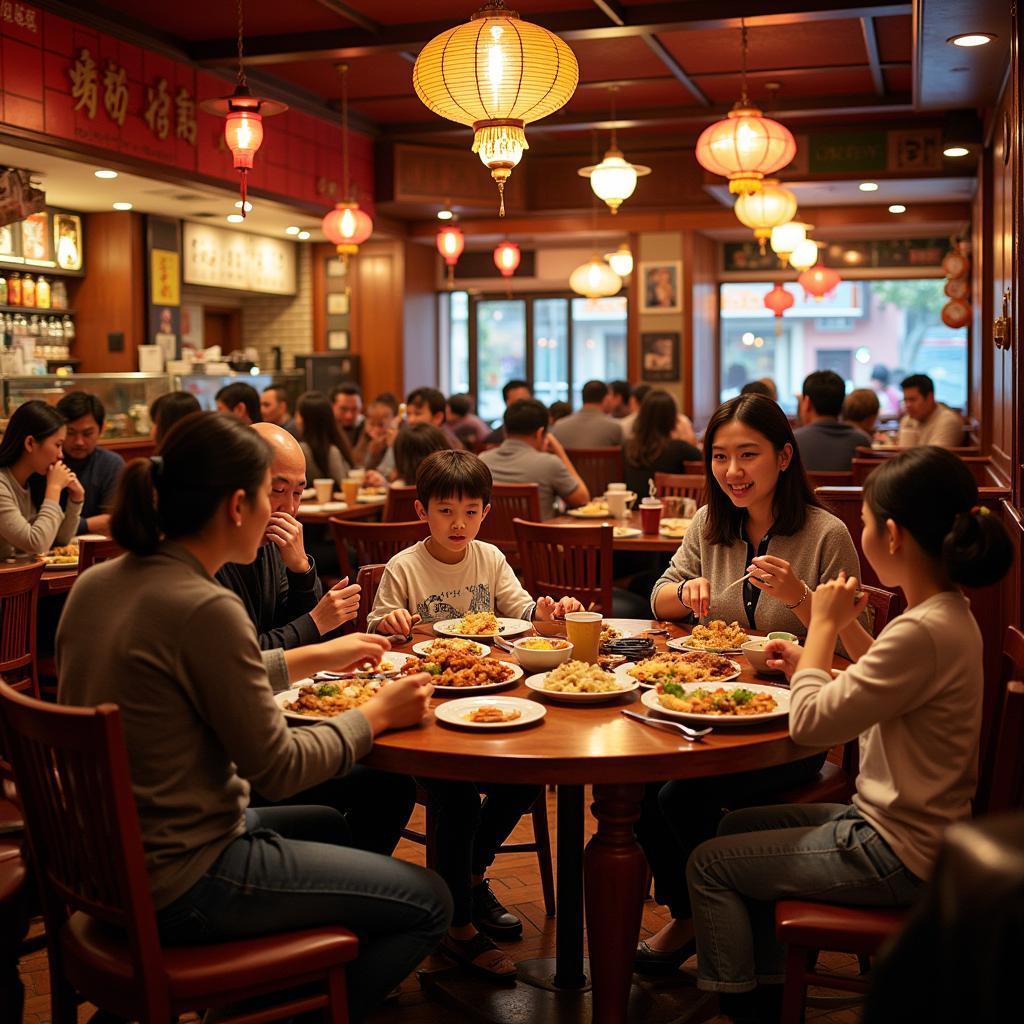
[(659, 356), (337, 341), (661, 287)]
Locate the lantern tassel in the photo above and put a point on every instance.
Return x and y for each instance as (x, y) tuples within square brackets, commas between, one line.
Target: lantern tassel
[(242, 190), (501, 195)]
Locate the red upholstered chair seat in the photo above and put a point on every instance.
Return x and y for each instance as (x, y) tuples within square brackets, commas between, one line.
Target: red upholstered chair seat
[(826, 926)]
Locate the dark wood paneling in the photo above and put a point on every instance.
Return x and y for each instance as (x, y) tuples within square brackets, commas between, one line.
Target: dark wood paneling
[(111, 296), (702, 328), (376, 303), (420, 310)]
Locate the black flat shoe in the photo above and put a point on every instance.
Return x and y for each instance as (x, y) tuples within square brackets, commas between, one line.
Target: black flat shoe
[(662, 961), (491, 917), (481, 957)]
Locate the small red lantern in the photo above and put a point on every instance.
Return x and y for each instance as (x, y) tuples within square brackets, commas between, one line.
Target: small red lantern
[(819, 280), (347, 227), (507, 257), (450, 243), (778, 300)]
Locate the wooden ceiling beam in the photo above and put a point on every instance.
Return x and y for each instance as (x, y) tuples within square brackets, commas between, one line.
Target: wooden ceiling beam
[(871, 46), (676, 69), (612, 11), (349, 13), (583, 24)]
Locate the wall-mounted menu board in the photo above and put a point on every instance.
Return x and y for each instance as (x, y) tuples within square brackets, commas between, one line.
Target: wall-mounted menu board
[(855, 254), (50, 239), (219, 258)]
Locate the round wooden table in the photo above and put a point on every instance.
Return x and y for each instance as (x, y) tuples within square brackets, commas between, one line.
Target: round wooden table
[(596, 745)]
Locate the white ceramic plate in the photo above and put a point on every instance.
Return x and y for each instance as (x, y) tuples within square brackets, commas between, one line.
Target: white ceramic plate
[(454, 712), (624, 532), (675, 529), (781, 695), (310, 508), (580, 513), (506, 627), (627, 684), (308, 494), (707, 682), (622, 634), (372, 499), (680, 643), (59, 565), (423, 647)]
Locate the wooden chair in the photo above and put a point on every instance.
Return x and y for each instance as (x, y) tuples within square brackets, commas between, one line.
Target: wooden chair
[(598, 467), (681, 485), (891, 451), (695, 466), (510, 502), (83, 831), (399, 506), (980, 467), (92, 551), (371, 543), (14, 920), (19, 599), (568, 560), (369, 580), (830, 479)]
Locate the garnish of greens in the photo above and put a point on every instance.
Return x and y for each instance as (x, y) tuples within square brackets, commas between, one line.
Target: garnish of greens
[(738, 696), (328, 690)]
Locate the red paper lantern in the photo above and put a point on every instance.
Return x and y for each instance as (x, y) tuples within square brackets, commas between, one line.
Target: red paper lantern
[(450, 243), (507, 257), (956, 313), (778, 300), (243, 132), (819, 280), (347, 227)]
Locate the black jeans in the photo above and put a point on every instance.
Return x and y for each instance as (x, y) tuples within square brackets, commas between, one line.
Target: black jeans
[(676, 817), (469, 832)]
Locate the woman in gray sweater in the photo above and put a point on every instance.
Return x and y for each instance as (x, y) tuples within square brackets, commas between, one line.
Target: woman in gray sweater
[(763, 518), (33, 443)]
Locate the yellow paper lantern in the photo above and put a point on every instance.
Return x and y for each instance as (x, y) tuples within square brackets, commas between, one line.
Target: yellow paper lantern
[(771, 206), (496, 73), (786, 237), (805, 255), (595, 279), (614, 178), (621, 261)]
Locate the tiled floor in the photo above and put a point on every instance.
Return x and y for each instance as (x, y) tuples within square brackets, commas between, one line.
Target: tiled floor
[(516, 884)]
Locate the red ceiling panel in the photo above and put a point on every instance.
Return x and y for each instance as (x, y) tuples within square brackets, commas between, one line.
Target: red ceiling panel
[(770, 46), (821, 82), (898, 79), (400, 110), (626, 57), (400, 12), (895, 37), (385, 74), (655, 93)]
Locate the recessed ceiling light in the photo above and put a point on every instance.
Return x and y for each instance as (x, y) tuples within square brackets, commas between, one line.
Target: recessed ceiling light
[(248, 205), (292, 229), (235, 218), (971, 39), (955, 151), (103, 173), (897, 208), (122, 206), (303, 235), (445, 214), (868, 186)]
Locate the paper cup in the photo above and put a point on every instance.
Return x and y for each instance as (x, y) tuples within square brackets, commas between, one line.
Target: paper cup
[(324, 487)]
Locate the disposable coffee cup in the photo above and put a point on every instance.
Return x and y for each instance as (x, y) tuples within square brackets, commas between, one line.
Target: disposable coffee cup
[(616, 487), (618, 503), (359, 475), (324, 487), (650, 515)]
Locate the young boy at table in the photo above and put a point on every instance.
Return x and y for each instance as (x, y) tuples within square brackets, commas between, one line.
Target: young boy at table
[(446, 576)]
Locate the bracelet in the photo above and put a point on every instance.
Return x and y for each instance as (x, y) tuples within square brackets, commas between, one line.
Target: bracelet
[(804, 596), (679, 593)]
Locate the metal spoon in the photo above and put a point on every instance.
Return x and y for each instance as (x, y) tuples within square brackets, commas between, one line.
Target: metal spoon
[(661, 723)]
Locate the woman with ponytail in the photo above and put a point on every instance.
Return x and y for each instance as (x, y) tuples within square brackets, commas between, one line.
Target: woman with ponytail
[(153, 632), (913, 697)]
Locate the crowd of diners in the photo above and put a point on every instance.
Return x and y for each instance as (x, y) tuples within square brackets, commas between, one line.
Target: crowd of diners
[(251, 827)]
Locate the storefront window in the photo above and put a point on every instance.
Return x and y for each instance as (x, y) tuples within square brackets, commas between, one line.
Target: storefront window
[(551, 350), (599, 342), (458, 344), (864, 330), (500, 353)]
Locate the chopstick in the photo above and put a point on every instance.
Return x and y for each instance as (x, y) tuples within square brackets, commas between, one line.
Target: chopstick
[(740, 580)]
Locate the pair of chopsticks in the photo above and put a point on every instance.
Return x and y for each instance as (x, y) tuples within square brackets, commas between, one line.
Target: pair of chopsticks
[(740, 580)]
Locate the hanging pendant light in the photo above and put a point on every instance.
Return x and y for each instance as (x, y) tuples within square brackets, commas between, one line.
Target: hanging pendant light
[(786, 237), (745, 146), (450, 243), (243, 124), (621, 261), (819, 281), (347, 226), (496, 73), (614, 178), (595, 279), (778, 300), (766, 209), (805, 255), (507, 257)]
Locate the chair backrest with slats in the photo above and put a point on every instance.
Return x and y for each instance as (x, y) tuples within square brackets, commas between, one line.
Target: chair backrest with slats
[(681, 485), (400, 504), (369, 581), (996, 730), (19, 596), (94, 550), (598, 467), (830, 479), (883, 604), (1002, 784), (71, 768), (361, 544), (568, 561), (510, 502), (694, 466)]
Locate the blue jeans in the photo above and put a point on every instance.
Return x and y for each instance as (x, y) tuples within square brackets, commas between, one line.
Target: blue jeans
[(286, 874), (824, 852)]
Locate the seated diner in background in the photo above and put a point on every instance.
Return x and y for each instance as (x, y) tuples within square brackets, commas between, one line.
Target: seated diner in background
[(826, 444), (636, 398), (378, 435), (620, 392), (654, 446), (924, 534), (927, 421), (326, 448), (347, 405), (512, 392), (414, 442), (428, 405), (275, 407), (530, 454), (166, 410), (464, 423), (591, 426), (32, 444), (240, 400), (153, 632), (452, 575), (860, 410)]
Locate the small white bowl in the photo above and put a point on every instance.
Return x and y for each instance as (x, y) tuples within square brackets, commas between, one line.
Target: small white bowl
[(755, 654), (539, 660)]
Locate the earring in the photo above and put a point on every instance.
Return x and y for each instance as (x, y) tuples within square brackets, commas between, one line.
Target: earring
[(238, 522)]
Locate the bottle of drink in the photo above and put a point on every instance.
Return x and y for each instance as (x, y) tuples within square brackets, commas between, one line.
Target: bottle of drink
[(42, 293), (14, 289), (59, 294), (69, 328), (3, 290), (28, 290)]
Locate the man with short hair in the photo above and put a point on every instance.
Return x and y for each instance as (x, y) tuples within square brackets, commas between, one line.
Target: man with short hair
[(636, 399), (241, 401), (515, 390), (347, 403), (427, 405), (826, 445), (530, 455), (97, 468), (927, 421), (591, 427), (619, 394), (274, 409), (280, 589)]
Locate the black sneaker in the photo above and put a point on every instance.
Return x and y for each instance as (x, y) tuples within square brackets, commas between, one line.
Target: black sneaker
[(491, 917)]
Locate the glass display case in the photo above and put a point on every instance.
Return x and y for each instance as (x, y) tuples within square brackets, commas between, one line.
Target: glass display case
[(125, 396), (206, 385)]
